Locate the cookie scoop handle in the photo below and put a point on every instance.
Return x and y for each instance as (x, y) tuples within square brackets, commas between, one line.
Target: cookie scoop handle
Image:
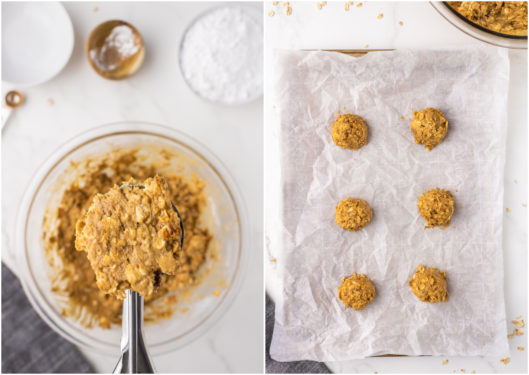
[(134, 356)]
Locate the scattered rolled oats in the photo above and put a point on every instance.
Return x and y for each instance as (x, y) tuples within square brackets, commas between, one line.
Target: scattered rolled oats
[(473, 371), (517, 332), (96, 9), (289, 11), (286, 4), (401, 23), (524, 204), (366, 46), (380, 15), (519, 317), (519, 323), (462, 370), (216, 292), (521, 348), (275, 2), (358, 5), (50, 102), (271, 13), (515, 181), (508, 209), (346, 7), (510, 335), (273, 260), (445, 362), (505, 360)]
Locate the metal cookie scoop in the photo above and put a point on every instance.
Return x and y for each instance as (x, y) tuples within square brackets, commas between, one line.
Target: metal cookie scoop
[(135, 358)]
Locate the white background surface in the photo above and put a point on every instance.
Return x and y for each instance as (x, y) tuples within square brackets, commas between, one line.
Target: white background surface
[(157, 93), (333, 28)]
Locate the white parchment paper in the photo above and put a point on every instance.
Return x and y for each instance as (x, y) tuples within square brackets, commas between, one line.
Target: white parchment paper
[(391, 172)]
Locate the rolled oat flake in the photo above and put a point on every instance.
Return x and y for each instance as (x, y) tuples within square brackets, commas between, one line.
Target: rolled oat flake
[(221, 55)]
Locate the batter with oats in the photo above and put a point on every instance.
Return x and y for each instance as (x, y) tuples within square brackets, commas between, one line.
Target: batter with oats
[(73, 279), (357, 291), (429, 284), (131, 235), (505, 17), (353, 214), (429, 127), (436, 206), (349, 131)]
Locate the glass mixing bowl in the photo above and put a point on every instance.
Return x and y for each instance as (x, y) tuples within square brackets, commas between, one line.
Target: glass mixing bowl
[(225, 216), (478, 32)]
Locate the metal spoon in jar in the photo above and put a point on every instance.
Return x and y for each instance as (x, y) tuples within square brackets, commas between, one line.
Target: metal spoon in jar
[(135, 358)]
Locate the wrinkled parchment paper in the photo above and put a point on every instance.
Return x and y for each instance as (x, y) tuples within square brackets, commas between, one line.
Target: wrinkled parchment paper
[(470, 87)]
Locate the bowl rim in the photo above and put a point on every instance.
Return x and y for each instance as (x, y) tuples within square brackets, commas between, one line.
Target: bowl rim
[(476, 31), (65, 17), (104, 131)]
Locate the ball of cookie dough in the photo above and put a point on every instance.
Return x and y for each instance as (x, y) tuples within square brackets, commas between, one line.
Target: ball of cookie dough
[(429, 127), (436, 206), (353, 214), (429, 284), (349, 131), (356, 291)]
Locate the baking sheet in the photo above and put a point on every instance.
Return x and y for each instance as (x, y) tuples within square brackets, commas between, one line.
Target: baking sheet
[(391, 172)]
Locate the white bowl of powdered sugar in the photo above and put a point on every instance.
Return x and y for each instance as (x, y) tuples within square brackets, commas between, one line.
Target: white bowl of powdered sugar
[(221, 55)]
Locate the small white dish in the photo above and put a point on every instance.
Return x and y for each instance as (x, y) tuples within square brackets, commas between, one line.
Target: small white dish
[(37, 41)]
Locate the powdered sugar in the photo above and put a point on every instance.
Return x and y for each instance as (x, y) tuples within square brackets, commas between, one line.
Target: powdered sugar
[(222, 55)]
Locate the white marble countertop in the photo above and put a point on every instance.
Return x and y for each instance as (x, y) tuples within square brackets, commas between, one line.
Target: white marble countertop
[(157, 93), (334, 28)]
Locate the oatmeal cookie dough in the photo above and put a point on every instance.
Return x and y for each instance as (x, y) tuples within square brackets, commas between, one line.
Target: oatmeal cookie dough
[(505, 17), (429, 127), (357, 291), (131, 236), (429, 284), (72, 278), (436, 206), (353, 214), (349, 131)]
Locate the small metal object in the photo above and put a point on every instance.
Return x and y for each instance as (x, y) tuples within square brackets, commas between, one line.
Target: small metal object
[(181, 226), (13, 99), (129, 186), (134, 356)]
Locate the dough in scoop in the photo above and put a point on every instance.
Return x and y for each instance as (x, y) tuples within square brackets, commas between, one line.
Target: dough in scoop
[(436, 206), (353, 214), (356, 291), (131, 236), (429, 284), (429, 127), (349, 131)]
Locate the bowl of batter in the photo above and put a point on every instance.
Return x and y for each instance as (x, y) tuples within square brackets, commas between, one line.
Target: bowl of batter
[(58, 279), (502, 24)]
